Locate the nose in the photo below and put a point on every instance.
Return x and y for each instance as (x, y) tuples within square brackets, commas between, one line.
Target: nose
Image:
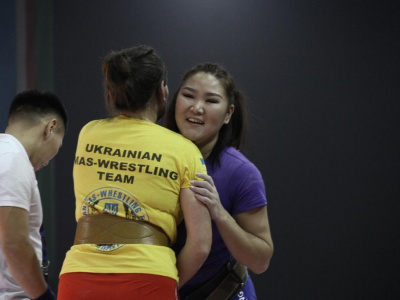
[(197, 108)]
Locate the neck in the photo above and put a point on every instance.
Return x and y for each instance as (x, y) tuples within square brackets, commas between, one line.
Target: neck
[(28, 137), (149, 113), (206, 149), (143, 115)]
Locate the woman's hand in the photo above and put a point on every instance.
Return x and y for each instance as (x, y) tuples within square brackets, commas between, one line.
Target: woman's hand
[(206, 192), (247, 235)]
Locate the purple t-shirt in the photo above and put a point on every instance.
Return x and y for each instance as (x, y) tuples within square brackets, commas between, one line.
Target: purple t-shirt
[(240, 187)]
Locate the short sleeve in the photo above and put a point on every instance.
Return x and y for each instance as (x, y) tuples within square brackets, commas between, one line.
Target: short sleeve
[(249, 188), (194, 163), (15, 181)]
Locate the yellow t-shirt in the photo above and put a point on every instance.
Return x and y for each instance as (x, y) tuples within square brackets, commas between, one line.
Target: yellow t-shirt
[(133, 169)]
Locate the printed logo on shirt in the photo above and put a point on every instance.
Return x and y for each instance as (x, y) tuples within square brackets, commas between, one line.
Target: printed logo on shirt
[(111, 208), (113, 201), (241, 296), (122, 165)]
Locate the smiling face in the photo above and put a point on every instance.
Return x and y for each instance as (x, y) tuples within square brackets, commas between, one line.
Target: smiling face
[(202, 108)]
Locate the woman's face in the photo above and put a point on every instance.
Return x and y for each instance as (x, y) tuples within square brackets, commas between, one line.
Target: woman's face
[(202, 108)]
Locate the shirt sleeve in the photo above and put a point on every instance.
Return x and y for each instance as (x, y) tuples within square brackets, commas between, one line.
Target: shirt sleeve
[(15, 181), (194, 164), (248, 188)]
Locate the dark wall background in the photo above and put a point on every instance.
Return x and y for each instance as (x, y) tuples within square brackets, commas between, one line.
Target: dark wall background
[(8, 63), (322, 78)]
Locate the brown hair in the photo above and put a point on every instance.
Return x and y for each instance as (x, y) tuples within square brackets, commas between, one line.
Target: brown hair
[(131, 76)]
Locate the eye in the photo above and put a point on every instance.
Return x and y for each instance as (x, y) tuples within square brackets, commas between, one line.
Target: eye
[(212, 101), (188, 95)]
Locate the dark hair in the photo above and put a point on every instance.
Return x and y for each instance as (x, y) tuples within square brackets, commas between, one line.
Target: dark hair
[(131, 76), (34, 102), (231, 134)]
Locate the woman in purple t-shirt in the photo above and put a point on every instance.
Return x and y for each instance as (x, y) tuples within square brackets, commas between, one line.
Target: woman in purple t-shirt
[(210, 111)]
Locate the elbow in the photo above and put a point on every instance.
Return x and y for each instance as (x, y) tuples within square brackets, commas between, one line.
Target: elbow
[(13, 248), (204, 245), (199, 255), (262, 265), (260, 268), (203, 249)]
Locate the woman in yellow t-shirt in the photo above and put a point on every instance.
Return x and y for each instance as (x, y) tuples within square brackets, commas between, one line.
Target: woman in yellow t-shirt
[(131, 182)]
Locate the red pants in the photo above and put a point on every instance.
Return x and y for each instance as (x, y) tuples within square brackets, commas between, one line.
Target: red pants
[(75, 286)]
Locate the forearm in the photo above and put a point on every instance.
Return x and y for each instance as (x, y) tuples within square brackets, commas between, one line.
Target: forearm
[(189, 261), (198, 237), (24, 267), (247, 248), (246, 235)]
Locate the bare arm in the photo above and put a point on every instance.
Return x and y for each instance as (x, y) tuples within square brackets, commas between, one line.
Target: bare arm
[(247, 235), (248, 238), (198, 240), (18, 251)]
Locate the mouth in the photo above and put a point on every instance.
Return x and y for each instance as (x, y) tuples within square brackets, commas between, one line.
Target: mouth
[(195, 121)]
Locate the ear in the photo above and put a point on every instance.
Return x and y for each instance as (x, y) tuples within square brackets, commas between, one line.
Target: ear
[(164, 92), (229, 113), (50, 128)]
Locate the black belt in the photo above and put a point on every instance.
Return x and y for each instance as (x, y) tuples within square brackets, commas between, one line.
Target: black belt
[(225, 285)]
